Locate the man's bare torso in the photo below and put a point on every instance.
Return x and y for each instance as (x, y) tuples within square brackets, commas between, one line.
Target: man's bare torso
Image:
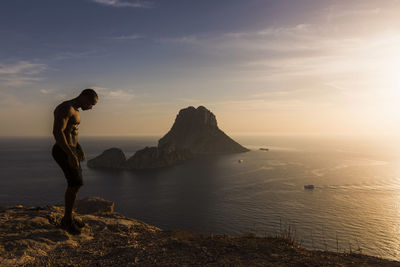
[(72, 129)]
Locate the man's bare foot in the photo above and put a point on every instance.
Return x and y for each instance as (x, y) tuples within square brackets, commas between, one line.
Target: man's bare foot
[(78, 222), (70, 226)]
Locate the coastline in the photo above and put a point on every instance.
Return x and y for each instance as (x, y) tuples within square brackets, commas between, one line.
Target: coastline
[(30, 236)]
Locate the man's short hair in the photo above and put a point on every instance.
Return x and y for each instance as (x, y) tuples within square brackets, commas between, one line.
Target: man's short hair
[(89, 93)]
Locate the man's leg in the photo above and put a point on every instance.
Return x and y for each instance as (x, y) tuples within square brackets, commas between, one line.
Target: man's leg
[(70, 197)]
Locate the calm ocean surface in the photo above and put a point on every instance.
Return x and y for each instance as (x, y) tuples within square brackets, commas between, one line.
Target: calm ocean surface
[(356, 202)]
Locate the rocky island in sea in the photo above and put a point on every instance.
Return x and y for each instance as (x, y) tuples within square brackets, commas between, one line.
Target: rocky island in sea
[(194, 133), (31, 236)]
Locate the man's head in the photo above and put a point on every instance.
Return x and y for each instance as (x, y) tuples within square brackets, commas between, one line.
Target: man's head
[(88, 98)]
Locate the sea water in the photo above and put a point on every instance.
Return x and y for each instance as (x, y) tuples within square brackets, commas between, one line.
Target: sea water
[(355, 204)]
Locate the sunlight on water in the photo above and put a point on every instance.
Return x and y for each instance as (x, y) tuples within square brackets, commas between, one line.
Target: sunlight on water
[(355, 202)]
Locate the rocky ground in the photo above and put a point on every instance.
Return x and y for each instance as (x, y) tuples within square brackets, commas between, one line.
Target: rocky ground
[(30, 236)]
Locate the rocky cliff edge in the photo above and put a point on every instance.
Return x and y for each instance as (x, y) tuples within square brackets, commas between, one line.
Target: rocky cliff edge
[(30, 236)]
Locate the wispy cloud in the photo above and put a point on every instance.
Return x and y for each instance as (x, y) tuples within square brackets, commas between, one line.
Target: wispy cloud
[(61, 97), (21, 73), (76, 55), (114, 94), (189, 39), (127, 37), (258, 104), (264, 39), (125, 3), (25, 67), (346, 65), (305, 50), (46, 91), (338, 12)]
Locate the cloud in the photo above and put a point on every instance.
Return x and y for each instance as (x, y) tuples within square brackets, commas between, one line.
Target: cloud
[(21, 67), (125, 3), (307, 66), (277, 94), (189, 39), (321, 51), (264, 39), (76, 55), (127, 37), (338, 12), (46, 91), (61, 97), (261, 104), (21, 73), (105, 94), (110, 94)]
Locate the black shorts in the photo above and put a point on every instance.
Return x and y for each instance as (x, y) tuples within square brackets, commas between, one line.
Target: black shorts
[(73, 175)]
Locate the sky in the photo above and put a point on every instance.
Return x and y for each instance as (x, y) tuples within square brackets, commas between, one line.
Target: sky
[(261, 66)]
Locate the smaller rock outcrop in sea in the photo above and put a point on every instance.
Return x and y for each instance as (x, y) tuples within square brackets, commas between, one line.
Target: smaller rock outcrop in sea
[(154, 157), (194, 133), (112, 158)]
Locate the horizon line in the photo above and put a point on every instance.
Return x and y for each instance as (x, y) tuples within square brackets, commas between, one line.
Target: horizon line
[(231, 134)]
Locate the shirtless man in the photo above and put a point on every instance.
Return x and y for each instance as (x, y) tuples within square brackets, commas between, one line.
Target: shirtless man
[(68, 153)]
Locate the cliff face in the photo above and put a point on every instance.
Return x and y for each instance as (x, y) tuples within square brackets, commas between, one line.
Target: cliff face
[(195, 132), (31, 236)]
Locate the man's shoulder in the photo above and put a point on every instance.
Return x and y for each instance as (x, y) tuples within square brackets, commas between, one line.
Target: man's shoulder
[(64, 108)]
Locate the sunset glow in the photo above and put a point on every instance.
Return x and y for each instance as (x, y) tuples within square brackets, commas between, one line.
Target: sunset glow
[(330, 69), (200, 132)]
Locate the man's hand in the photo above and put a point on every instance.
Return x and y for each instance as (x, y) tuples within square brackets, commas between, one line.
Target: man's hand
[(81, 154), (83, 157), (73, 161)]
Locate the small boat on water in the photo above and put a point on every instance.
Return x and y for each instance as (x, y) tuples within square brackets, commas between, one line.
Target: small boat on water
[(240, 160), (309, 186), (264, 149)]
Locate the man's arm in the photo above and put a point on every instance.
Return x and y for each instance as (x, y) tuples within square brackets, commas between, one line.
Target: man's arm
[(81, 153), (61, 117)]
